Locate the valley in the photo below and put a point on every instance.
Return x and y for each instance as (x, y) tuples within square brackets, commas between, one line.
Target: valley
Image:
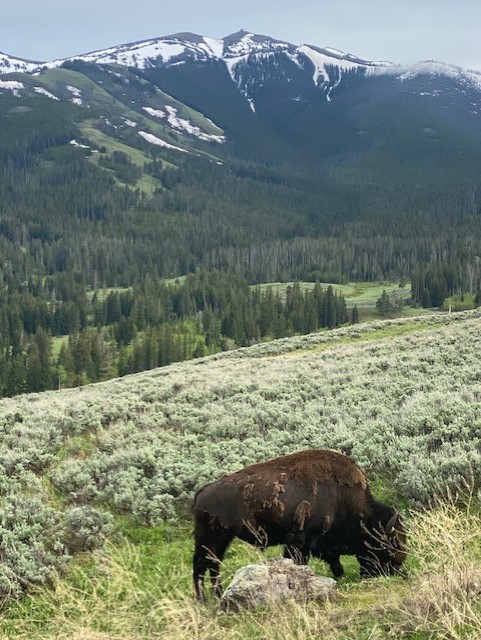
[(214, 251)]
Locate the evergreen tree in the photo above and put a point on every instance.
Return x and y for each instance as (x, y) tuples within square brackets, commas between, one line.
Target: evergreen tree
[(383, 304), (355, 315)]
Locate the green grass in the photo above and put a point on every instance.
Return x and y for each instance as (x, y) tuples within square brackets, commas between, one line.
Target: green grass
[(139, 588), (57, 343), (371, 335), (359, 293), (148, 184)]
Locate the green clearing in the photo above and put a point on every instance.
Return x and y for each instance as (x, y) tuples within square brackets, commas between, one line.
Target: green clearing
[(363, 295), (56, 79), (371, 335), (356, 293), (57, 343), (147, 184)]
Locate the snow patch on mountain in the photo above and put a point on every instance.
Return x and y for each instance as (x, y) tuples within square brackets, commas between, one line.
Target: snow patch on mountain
[(431, 68), (74, 143), (215, 46), (236, 77), (160, 143), (12, 85), (140, 54), (155, 113), (76, 94), (244, 43), (10, 64), (181, 124), (318, 60), (323, 62), (44, 92)]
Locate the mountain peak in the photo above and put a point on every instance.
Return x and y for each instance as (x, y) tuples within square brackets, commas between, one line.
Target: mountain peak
[(234, 49), (238, 35), (11, 64), (186, 36)]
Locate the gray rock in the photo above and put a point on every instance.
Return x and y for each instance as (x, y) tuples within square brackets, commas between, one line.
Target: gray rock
[(277, 580)]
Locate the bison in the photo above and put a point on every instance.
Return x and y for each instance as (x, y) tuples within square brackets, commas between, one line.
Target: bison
[(315, 502)]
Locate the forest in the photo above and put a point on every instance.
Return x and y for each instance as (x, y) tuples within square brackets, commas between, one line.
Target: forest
[(143, 327), (75, 221)]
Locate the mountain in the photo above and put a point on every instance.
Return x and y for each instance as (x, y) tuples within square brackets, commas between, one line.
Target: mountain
[(246, 153), (243, 161), (271, 101), (10, 64)]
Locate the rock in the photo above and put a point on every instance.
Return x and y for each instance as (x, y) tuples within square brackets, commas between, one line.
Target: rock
[(277, 580)]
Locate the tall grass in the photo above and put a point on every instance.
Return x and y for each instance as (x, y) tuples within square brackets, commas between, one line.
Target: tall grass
[(134, 592), (445, 594)]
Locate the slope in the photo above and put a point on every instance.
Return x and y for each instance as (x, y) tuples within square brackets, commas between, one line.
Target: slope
[(401, 396)]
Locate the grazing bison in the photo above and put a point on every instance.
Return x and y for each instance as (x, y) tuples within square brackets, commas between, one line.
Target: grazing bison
[(315, 502)]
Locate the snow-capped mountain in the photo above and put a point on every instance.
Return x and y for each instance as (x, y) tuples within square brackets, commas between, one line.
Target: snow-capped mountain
[(253, 95), (201, 133), (10, 64), (238, 50)]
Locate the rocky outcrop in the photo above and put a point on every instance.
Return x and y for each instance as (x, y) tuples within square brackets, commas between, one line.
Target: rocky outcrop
[(277, 580)]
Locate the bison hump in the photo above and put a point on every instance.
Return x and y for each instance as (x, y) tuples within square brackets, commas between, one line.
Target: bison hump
[(310, 468)]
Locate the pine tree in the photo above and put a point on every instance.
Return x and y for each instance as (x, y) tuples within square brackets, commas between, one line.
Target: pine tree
[(354, 315), (383, 304)]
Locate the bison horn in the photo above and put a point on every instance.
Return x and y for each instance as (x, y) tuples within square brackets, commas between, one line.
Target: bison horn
[(391, 525)]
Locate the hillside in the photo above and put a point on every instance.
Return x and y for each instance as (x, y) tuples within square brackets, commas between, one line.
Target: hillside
[(259, 159), (265, 158), (123, 458)]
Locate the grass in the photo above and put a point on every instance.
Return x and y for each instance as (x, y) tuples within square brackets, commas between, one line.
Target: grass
[(148, 184), (140, 588), (52, 77), (361, 294), (57, 343), (369, 335), (403, 396), (355, 292)]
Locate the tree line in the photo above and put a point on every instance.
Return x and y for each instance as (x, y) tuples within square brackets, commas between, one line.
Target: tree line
[(151, 324)]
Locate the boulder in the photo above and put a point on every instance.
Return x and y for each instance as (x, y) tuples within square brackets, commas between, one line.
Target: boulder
[(276, 580)]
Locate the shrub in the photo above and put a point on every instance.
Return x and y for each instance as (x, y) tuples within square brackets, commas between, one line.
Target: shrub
[(85, 529)]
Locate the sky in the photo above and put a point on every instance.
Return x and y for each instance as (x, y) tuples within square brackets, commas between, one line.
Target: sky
[(402, 31)]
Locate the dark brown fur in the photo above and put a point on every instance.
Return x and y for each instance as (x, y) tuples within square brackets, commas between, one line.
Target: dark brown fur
[(314, 502)]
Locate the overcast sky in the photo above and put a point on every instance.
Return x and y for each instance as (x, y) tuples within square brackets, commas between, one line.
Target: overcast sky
[(403, 31)]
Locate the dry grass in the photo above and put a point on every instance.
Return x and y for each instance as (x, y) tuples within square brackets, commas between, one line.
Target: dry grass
[(115, 599), (445, 594)]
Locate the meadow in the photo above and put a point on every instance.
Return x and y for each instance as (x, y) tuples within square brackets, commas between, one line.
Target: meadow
[(97, 483)]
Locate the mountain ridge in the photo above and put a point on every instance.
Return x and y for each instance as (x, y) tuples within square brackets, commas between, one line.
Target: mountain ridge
[(237, 44)]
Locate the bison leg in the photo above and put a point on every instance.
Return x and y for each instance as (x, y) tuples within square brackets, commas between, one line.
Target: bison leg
[(296, 547), (208, 555), (333, 560), (200, 567), (214, 561)]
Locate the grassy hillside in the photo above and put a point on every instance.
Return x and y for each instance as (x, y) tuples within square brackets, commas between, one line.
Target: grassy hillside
[(122, 459)]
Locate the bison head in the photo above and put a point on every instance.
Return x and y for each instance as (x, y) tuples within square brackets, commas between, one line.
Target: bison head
[(384, 543)]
